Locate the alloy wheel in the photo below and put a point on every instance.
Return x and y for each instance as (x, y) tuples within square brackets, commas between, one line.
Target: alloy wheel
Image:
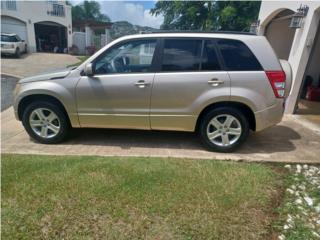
[(224, 130), (44, 122)]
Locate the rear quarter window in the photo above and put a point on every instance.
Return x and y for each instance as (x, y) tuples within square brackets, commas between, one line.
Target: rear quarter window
[(237, 56)]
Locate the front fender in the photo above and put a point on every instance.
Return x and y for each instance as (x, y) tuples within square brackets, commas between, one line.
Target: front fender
[(63, 93)]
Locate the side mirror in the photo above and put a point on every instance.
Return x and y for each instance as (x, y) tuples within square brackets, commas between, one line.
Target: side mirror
[(88, 69), (22, 41)]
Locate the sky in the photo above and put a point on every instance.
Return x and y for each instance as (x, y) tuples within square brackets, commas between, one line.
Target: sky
[(135, 12)]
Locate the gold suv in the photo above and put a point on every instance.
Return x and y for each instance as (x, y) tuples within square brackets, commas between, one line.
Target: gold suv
[(219, 84)]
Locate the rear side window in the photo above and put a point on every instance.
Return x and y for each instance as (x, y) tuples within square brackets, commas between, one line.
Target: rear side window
[(237, 56), (181, 55), (210, 60)]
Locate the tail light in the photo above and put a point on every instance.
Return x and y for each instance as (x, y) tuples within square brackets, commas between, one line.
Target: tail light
[(278, 82)]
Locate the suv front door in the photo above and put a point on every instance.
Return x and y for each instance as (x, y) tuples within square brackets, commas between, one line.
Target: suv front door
[(190, 78), (118, 94)]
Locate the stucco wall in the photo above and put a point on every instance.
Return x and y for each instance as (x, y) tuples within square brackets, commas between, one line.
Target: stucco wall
[(32, 12), (301, 47)]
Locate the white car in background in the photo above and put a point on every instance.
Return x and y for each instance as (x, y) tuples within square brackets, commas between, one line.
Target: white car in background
[(11, 44)]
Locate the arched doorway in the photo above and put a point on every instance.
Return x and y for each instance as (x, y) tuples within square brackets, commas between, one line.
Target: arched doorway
[(51, 37), (279, 34), (14, 25)]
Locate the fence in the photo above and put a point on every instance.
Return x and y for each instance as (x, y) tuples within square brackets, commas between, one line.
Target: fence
[(79, 39)]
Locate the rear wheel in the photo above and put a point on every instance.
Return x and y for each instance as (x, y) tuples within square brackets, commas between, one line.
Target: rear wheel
[(45, 122), (223, 129)]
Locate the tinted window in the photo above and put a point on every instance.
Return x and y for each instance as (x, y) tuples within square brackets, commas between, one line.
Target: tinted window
[(130, 57), (181, 55), (237, 56), (209, 57)]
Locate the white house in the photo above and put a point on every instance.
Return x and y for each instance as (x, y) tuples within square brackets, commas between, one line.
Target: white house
[(44, 25), (292, 28)]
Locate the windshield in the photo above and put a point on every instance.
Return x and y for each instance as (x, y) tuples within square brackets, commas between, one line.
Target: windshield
[(6, 38)]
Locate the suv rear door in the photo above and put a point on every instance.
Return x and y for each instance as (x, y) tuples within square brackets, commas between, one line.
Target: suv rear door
[(190, 75)]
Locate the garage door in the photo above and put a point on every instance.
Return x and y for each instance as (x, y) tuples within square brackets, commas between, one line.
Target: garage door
[(12, 25)]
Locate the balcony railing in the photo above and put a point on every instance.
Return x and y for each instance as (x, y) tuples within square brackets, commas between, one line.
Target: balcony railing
[(9, 5), (56, 10)]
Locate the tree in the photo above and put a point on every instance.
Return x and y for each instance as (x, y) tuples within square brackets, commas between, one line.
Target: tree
[(89, 10), (207, 15)]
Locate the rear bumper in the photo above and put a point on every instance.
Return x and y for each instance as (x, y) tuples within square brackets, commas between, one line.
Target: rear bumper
[(269, 116)]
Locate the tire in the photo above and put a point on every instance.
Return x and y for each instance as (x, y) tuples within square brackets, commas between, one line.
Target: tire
[(17, 53), (214, 124), (60, 124)]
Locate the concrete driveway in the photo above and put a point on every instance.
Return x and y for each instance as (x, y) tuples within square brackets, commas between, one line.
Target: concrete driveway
[(32, 64), (8, 84), (287, 142)]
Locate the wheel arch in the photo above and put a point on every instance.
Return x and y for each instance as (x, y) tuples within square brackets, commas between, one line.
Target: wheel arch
[(245, 109), (39, 97)]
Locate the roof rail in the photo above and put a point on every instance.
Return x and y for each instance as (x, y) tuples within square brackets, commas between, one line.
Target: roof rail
[(198, 31)]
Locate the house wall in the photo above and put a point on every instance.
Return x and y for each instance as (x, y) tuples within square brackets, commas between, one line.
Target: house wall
[(32, 12), (302, 43)]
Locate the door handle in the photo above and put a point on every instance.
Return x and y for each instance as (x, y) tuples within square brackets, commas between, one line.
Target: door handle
[(141, 84), (215, 82)]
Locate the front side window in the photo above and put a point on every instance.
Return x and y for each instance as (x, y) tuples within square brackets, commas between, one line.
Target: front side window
[(181, 55), (130, 57), (237, 56)]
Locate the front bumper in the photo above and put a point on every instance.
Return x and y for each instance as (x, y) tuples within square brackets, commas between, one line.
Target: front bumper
[(269, 116), (8, 51)]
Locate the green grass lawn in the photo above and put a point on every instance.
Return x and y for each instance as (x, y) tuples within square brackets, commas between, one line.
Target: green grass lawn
[(73, 197)]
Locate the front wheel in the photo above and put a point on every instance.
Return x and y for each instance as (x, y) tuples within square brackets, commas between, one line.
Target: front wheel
[(223, 129), (45, 122), (17, 53)]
